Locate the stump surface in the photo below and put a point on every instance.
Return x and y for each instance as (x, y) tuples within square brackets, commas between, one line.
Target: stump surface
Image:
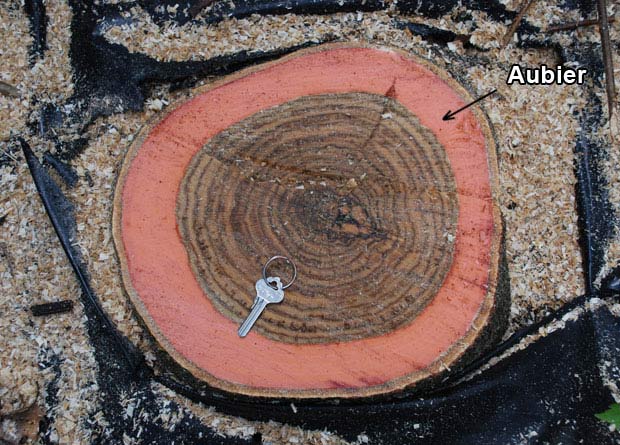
[(338, 158)]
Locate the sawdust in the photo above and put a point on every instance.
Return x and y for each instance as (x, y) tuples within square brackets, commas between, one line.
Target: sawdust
[(535, 130), (28, 346), (15, 36), (38, 80), (610, 133)]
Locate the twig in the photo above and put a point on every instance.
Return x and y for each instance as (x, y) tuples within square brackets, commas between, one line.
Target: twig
[(55, 307), (9, 155), (525, 5), (575, 25), (603, 26)]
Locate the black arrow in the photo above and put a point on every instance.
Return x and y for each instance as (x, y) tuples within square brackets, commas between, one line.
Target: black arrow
[(450, 115)]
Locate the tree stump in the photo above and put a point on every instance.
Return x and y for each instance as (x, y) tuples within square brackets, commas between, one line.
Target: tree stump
[(338, 158)]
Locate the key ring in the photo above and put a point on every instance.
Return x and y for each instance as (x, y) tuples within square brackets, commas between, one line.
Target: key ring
[(280, 257)]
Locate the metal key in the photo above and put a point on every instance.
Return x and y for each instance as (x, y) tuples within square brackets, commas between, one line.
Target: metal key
[(265, 294)]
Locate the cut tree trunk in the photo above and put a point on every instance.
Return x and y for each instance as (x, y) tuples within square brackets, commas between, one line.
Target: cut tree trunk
[(338, 158)]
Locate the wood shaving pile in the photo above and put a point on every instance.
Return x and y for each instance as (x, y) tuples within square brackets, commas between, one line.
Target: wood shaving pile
[(38, 80), (535, 129), (13, 29)]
